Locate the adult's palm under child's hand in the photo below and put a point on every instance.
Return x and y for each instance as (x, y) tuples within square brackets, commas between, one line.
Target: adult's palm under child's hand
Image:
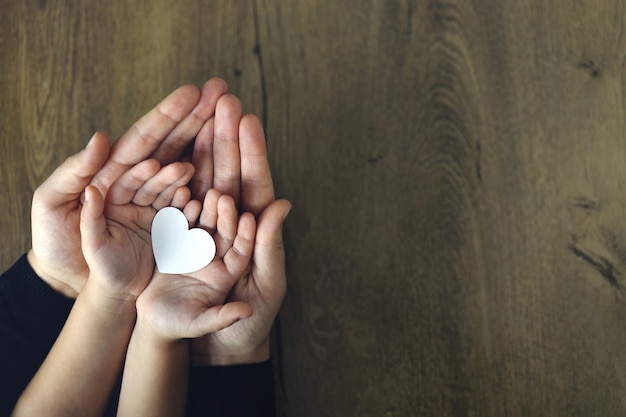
[(163, 134)]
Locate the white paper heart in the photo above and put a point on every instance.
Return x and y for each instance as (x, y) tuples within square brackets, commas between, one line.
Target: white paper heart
[(178, 249)]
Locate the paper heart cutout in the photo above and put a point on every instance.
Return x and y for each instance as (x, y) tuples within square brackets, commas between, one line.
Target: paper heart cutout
[(178, 249)]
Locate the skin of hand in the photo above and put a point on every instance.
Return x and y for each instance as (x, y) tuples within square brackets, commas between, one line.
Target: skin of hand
[(190, 305), (263, 287), (163, 134), (115, 236), (92, 345), (176, 307), (230, 156)]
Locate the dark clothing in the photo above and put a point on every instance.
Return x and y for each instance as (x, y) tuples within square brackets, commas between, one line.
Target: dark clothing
[(231, 391)]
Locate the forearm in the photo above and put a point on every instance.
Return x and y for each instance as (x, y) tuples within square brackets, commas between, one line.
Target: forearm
[(155, 375), (79, 372)]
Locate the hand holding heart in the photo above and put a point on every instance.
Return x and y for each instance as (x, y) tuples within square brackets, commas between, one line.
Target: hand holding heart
[(189, 303), (106, 236)]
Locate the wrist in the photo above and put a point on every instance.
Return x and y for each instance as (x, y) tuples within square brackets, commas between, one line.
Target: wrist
[(149, 334), (59, 286), (108, 303)]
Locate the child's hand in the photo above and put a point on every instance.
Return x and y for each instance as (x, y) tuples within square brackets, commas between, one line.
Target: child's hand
[(116, 243), (115, 233), (174, 308), (190, 305)]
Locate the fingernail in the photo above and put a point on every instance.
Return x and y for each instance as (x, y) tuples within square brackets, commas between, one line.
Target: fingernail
[(91, 141)]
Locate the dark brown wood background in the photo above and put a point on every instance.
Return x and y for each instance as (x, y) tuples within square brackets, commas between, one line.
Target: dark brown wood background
[(458, 242)]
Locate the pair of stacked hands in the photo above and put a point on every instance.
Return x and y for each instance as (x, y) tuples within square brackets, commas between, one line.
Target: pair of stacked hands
[(92, 241)]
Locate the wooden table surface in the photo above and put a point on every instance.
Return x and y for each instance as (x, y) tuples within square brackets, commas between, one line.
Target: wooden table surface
[(457, 245)]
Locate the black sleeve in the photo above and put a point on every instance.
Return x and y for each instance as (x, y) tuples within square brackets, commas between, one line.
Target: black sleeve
[(231, 391), (31, 317)]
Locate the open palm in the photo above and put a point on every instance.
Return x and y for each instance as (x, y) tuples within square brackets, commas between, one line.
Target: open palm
[(116, 235), (190, 305), (230, 155), (262, 286), (163, 133)]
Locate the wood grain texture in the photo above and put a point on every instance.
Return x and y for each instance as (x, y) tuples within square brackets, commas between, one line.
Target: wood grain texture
[(457, 244)]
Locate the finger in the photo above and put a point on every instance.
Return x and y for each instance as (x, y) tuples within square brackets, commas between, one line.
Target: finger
[(226, 225), (208, 217), (268, 258), (187, 129), (218, 317), (202, 160), (238, 257), (124, 189), (69, 180), (181, 198), (166, 198), (146, 135), (226, 162), (93, 229), (161, 187), (192, 211), (257, 189)]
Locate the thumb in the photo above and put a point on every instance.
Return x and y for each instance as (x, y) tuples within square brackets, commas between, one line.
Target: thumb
[(69, 180), (93, 228), (219, 317), (269, 251)]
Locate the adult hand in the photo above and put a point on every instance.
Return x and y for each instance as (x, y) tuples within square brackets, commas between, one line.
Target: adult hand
[(163, 134), (230, 155)]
